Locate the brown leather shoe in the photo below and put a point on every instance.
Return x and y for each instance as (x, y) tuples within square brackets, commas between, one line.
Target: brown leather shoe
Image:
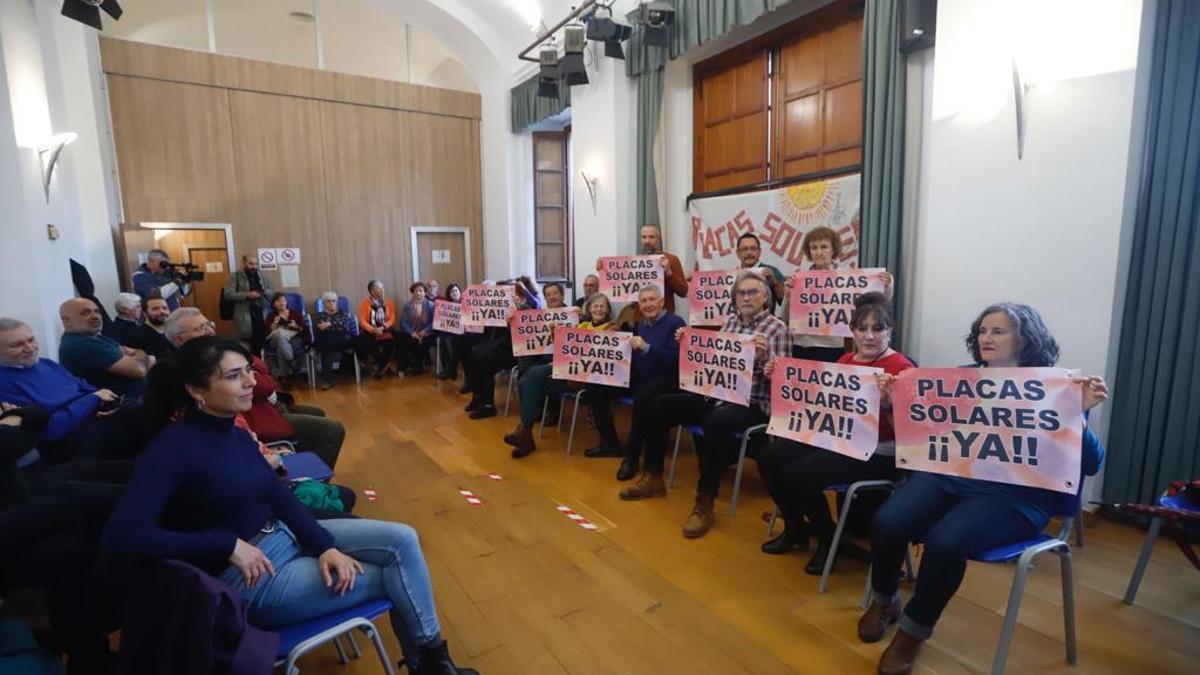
[(649, 485), (899, 657), (873, 624), (701, 520)]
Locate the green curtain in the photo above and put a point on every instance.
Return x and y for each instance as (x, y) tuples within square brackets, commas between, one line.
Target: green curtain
[(696, 22), (528, 108), (884, 80), (1154, 434)]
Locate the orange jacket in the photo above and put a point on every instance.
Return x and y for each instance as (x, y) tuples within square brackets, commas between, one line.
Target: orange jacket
[(364, 317)]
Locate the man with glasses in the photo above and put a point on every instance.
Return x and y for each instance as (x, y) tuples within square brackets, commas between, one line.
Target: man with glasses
[(749, 252), (717, 448)]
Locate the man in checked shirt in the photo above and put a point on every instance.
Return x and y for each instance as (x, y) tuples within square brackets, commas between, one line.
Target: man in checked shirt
[(718, 447)]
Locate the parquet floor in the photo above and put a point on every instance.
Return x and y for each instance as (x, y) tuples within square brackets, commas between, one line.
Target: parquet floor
[(523, 589)]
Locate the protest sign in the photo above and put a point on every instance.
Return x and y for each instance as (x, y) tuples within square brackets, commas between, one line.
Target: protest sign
[(621, 277), (826, 405), (1022, 426), (720, 365), (447, 317), (710, 296), (533, 332), (822, 300), (592, 356), (488, 305)]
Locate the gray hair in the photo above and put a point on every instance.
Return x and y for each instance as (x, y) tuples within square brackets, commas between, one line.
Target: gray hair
[(8, 323), (652, 288), (1036, 347), (171, 326), (754, 276), (157, 253), (330, 296), (127, 301)]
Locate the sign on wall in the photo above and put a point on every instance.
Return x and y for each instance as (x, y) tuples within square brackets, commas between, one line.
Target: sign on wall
[(779, 218)]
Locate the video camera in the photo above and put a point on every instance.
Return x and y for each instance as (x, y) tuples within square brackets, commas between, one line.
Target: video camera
[(185, 271)]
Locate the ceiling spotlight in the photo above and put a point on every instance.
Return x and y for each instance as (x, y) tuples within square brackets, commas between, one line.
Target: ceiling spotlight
[(654, 17), (548, 72), (610, 32), (88, 11), (571, 65)]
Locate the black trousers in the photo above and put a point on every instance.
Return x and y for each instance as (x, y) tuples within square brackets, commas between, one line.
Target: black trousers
[(93, 487), (413, 352), (600, 397), (121, 435), (796, 475), (379, 351), (717, 448), (329, 344), (483, 361)]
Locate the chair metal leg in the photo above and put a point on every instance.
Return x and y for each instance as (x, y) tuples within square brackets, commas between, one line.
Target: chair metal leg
[(1079, 525), (837, 538), (337, 644), (357, 371), (771, 522), (354, 645), (512, 383), (674, 456), (574, 419), (908, 563), (737, 476), (1143, 560), (866, 599), (545, 409), (381, 650), (1068, 590), (1024, 563)]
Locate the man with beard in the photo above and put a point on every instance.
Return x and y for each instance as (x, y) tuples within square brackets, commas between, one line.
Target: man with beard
[(248, 290), (152, 334)]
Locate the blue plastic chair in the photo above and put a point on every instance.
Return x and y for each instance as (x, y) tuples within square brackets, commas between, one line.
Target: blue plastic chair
[(567, 395), (1179, 502), (744, 436), (1024, 552), (295, 303), (301, 638)]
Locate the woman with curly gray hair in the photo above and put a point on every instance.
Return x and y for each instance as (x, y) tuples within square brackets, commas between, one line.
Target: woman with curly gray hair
[(960, 517)]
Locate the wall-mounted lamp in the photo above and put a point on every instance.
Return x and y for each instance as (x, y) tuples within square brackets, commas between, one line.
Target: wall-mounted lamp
[(48, 152), (590, 182)]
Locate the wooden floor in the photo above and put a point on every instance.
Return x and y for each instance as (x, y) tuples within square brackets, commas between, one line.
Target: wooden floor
[(523, 589)]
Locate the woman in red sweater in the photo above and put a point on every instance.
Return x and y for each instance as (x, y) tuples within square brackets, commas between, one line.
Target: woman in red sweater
[(796, 474)]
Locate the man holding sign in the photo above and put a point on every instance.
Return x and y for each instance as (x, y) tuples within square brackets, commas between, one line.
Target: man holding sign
[(494, 353), (671, 276), (720, 420), (978, 416), (831, 427)]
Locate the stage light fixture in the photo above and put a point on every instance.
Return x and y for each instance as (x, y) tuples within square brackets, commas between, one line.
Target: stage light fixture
[(571, 65), (654, 18), (605, 29), (548, 72), (88, 11)]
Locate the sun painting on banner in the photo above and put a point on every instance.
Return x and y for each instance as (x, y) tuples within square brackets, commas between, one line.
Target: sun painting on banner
[(808, 205)]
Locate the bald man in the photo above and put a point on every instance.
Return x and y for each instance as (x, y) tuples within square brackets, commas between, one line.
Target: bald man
[(99, 359)]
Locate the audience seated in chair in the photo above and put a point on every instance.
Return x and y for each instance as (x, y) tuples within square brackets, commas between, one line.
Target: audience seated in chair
[(416, 330), (452, 345), (97, 358), (334, 334), (796, 474), (535, 383), (493, 355), (286, 336), (307, 425), (203, 494), (720, 420), (958, 517), (377, 323)]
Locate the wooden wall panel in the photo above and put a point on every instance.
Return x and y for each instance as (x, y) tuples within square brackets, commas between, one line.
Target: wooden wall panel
[(281, 181), (288, 165)]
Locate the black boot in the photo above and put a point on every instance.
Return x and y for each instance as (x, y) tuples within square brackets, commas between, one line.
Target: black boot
[(816, 565), (475, 403), (436, 661), (786, 541)]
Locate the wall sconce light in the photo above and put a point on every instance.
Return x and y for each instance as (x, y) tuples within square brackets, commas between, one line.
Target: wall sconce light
[(590, 182), (48, 152)]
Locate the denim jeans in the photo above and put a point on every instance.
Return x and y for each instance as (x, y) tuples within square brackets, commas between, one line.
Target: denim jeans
[(393, 567)]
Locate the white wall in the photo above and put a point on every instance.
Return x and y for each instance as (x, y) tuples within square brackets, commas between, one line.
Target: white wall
[(48, 84)]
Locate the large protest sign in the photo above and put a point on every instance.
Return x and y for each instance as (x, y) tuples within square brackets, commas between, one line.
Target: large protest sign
[(710, 296), (533, 329), (779, 218), (621, 277), (826, 405), (592, 356), (488, 305), (447, 317), (822, 300), (1022, 426), (720, 365)]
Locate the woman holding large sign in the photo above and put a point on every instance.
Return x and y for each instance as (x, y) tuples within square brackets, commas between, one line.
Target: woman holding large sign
[(796, 473), (957, 516)]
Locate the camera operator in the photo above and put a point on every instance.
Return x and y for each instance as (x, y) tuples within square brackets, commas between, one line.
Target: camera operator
[(158, 273)]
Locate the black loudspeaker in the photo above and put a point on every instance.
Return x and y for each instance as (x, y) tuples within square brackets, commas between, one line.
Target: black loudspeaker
[(918, 24)]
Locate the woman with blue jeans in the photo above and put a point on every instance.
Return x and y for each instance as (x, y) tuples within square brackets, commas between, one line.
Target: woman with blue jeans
[(203, 494), (956, 517)]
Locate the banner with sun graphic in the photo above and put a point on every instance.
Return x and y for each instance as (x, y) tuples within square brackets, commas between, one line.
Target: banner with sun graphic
[(780, 218)]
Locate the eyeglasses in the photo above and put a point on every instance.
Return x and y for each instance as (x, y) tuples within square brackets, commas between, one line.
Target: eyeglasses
[(748, 292)]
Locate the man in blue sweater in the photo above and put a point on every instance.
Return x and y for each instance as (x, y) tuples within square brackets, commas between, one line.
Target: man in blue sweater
[(655, 370), (85, 422)]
